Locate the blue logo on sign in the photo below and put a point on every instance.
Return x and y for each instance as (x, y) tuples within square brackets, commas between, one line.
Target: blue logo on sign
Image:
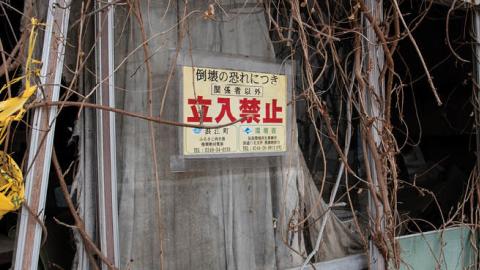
[(197, 130), (247, 130)]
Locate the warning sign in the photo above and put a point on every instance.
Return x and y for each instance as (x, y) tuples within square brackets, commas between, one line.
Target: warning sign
[(256, 101)]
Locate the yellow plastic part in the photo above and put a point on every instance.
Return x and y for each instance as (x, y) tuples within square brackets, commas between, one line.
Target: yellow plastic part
[(12, 190), (12, 109)]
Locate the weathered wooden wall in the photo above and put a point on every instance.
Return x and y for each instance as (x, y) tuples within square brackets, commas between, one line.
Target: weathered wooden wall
[(214, 218)]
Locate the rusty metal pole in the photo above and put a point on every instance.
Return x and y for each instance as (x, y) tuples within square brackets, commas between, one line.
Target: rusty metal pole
[(106, 135), (29, 236)]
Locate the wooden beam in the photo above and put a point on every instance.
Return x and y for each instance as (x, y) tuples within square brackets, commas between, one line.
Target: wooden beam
[(41, 141)]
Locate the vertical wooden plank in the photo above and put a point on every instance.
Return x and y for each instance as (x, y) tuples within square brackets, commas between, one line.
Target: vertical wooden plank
[(41, 141), (106, 141), (375, 63)]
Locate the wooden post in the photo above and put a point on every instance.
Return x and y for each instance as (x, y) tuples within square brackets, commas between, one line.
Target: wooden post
[(41, 141), (375, 63)]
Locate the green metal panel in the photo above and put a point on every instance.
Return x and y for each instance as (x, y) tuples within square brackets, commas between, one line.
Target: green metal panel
[(449, 249)]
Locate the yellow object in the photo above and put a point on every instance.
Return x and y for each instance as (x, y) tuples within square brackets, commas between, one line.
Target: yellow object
[(12, 190), (12, 109)]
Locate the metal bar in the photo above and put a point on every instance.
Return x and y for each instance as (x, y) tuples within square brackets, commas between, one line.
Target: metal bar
[(106, 142), (476, 59), (476, 101), (41, 142), (87, 182), (353, 262), (374, 62)]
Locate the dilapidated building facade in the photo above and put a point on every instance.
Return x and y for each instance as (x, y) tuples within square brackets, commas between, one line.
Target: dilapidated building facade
[(239, 134)]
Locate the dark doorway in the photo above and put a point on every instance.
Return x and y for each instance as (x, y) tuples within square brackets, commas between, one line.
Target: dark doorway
[(437, 143)]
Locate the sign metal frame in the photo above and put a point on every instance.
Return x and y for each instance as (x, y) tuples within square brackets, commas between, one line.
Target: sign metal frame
[(237, 63)]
